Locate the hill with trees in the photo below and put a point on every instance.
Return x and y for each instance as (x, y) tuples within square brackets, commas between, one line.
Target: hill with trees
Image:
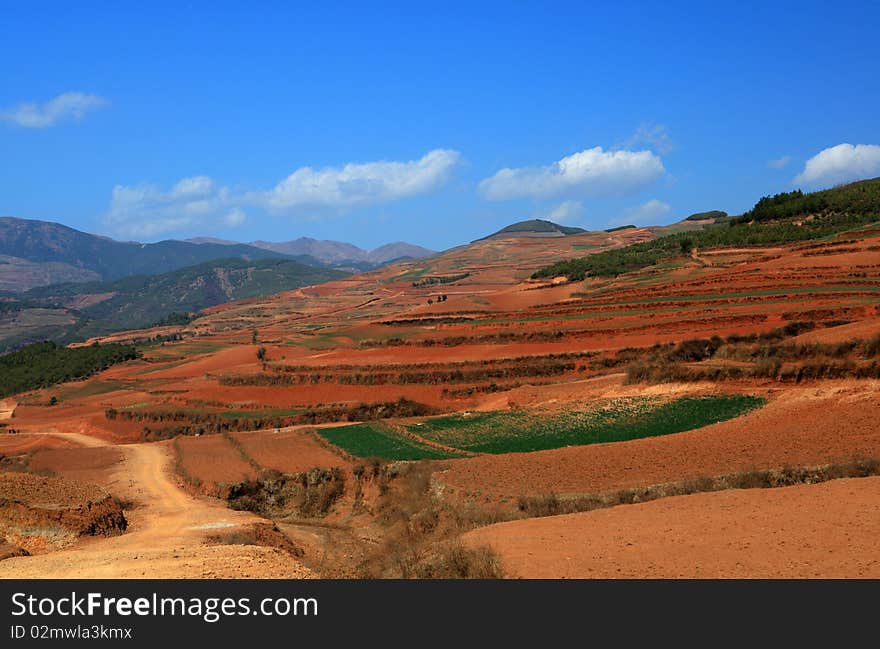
[(785, 217), (43, 364), (534, 227)]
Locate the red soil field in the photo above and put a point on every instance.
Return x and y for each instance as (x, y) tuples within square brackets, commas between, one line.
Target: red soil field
[(288, 451), (24, 443), (213, 460), (826, 530), (81, 463), (712, 292)]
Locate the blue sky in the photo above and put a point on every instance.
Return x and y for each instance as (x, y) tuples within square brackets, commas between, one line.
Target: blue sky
[(435, 124)]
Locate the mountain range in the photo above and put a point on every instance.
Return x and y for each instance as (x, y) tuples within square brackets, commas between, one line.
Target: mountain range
[(60, 284), (335, 253), (39, 253)]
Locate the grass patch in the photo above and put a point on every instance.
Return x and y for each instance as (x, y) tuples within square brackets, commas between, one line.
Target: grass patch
[(376, 440), (617, 421)]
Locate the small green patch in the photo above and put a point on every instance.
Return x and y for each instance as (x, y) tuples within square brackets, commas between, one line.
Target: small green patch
[(377, 440)]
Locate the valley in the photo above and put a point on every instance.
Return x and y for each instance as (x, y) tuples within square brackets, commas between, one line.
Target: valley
[(490, 411)]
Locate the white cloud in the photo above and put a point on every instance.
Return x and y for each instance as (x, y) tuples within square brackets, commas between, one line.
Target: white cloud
[(565, 212), (146, 211), (361, 183), (840, 164), (591, 172), (644, 214), (654, 136), (235, 217), (67, 106), (779, 163)]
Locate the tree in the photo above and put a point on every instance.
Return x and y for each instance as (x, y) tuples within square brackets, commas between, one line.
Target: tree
[(53, 401), (261, 353), (254, 336)]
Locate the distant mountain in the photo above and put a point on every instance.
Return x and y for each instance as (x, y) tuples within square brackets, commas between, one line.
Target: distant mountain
[(41, 243), (338, 253), (76, 311), (534, 228), (396, 251), (201, 240), (329, 252)]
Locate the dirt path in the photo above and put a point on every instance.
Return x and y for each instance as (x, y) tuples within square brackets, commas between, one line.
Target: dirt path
[(826, 530), (166, 534)]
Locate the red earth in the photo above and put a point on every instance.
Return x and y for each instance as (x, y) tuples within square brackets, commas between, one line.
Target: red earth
[(495, 316)]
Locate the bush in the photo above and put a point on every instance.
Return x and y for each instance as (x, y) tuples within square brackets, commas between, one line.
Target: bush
[(454, 560)]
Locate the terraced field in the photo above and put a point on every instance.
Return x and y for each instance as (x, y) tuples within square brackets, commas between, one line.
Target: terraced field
[(522, 431), (513, 389)]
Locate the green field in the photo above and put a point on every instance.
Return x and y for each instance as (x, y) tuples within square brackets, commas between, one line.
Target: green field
[(374, 439), (617, 421), (518, 431)]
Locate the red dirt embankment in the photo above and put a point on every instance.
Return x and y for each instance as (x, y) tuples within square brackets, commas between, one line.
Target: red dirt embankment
[(39, 513), (827, 530), (803, 426)]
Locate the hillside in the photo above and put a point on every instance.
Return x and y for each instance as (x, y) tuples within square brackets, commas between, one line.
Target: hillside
[(76, 311), (534, 228), (50, 250), (783, 218), (693, 378)]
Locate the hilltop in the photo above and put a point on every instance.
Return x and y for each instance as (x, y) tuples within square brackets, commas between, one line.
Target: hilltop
[(534, 228)]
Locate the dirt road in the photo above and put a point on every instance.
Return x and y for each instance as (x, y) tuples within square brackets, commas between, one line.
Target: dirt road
[(166, 535)]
